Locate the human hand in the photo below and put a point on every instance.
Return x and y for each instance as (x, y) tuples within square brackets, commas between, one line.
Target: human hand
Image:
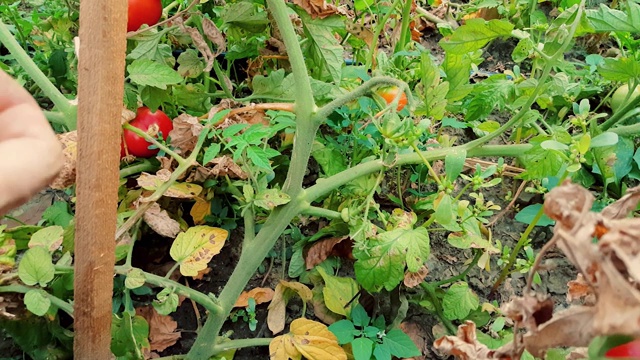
[(30, 154)]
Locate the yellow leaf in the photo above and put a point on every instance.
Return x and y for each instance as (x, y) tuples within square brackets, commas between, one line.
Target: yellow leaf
[(200, 210), (277, 309), (195, 248), (177, 190), (308, 338)]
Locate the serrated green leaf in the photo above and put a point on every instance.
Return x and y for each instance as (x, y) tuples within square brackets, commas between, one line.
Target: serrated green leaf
[(459, 301), (36, 267), (475, 34), (259, 157), (37, 301), (245, 15), (190, 64), (326, 54), (541, 163), (400, 344), (620, 69), (150, 73), (337, 292), (605, 19), (49, 238), (58, 214), (135, 279), (129, 336), (211, 153), (194, 248), (457, 68)]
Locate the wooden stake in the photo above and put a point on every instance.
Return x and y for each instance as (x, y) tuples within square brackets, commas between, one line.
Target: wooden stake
[(100, 93)]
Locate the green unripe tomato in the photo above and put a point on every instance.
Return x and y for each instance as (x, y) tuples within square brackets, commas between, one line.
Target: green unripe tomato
[(619, 96)]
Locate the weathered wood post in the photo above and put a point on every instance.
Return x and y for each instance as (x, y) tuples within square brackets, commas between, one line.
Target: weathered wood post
[(100, 93)]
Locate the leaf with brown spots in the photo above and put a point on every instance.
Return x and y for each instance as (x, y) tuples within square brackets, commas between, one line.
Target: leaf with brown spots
[(260, 295), (160, 221), (162, 328), (307, 338), (278, 307), (465, 345), (413, 279), (194, 248), (225, 166)]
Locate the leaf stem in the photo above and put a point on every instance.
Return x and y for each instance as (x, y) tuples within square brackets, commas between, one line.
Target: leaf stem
[(154, 141)]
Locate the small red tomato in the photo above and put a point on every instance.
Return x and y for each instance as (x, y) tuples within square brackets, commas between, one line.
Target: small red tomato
[(630, 350), (389, 94), (151, 122), (143, 12)]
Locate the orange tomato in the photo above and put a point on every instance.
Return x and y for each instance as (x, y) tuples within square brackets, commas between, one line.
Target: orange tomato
[(389, 94)]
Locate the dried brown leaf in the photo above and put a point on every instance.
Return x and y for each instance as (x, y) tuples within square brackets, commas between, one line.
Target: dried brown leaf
[(260, 295), (413, 279), (276, 317), (319, 8), (417, 335), (225, 166), (580, 289), (184, 135), (212, 33), (162, 328), (67, 176), (531, 310), (202, 273), (571, 327), (322, 249), (320, 309), (199, 43), (465, 345), (160, 221), (626, 204)]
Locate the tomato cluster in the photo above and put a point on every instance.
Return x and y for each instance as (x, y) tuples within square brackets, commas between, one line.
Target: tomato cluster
[(147, 121)]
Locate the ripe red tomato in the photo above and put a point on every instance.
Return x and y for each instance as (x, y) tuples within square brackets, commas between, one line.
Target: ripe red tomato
[(630, 350), (145, 119), (143, 12), (389, 94)]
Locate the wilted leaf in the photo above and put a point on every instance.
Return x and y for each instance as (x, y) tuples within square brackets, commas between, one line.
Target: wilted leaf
[(322, 249), (184, 135), (198, 42), (260, 295), (465, 345), (309, 339), (225, 166), (177, 190), (319, 8), (200, 210), (271, 198), (277, 309), (162, 328), (214, 35), (195, 248), (160, 221)]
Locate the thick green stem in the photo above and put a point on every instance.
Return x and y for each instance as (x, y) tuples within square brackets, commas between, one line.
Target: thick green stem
[(145, 165), (321, 212), (620, 114), (431, 292), (405, 32), (43, 82)]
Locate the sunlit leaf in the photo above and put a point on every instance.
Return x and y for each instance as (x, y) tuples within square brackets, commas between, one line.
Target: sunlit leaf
[(194, 248)]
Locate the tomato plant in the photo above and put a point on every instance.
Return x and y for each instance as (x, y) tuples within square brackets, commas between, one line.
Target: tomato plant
[(143, 12), (630, 350), (618, 97), (390, 93), (151, 122)]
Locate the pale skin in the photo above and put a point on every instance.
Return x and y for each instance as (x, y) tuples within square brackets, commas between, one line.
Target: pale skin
[(30, 154)]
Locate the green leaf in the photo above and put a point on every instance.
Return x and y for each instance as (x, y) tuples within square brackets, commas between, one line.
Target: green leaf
[(330, 159), (326, 54), (492, 93), (359, 316), (605, 19), (338, 291), (400, 344), (621, 69), (362, 348), (275, 85), (135, 279), (58, 214), (343, 330), (190, 64), (195, 248), (527, 214), (36, 267), (150, 73), (245, 15), (259, 157), (454, 163), (149, 48), (382, 352), (431, 89), (37, 301), (382, 265), (457, 68), (541, 163), (129, 336), (444, 214), (166, 302), (605, 139), (49, 238), (459, 301), (211, 153), (192, 96), (154, 97), (271, 198), (475, 34)]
